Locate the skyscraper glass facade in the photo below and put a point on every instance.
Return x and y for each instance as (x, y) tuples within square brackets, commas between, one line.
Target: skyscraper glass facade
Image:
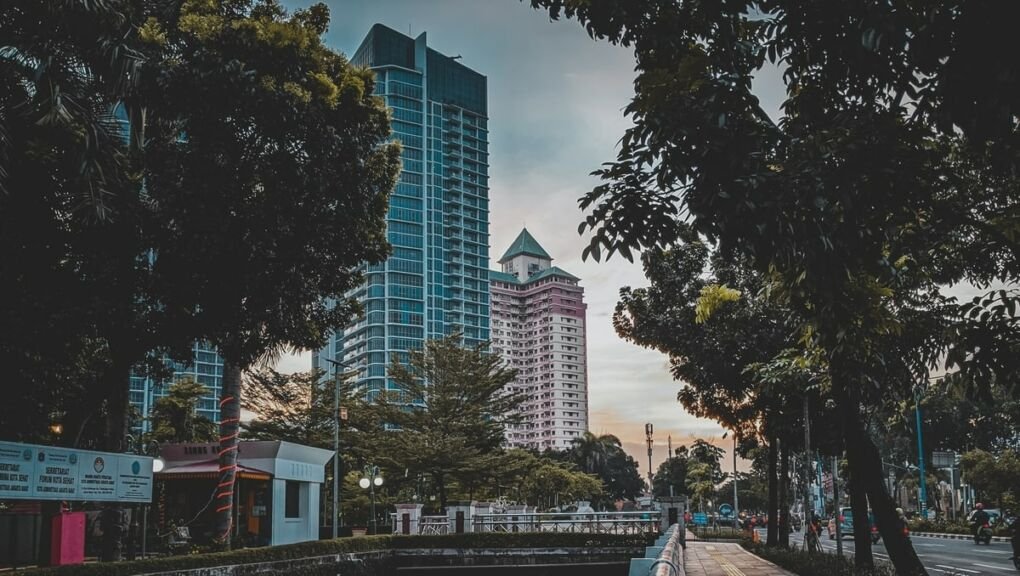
[(436, 281), (206, 368)]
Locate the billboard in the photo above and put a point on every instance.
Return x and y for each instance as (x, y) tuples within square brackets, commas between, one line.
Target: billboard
[(34, 472)]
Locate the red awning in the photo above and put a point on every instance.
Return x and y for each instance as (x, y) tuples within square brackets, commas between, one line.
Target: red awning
[(209, 469)]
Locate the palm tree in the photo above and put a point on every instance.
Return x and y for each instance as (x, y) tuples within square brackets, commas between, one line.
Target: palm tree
[(592, 452)]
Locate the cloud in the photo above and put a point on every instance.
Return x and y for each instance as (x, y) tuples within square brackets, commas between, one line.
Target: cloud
[(556, 100)]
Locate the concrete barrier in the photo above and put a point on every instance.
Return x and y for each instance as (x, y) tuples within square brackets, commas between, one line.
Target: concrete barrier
[(665, 558)]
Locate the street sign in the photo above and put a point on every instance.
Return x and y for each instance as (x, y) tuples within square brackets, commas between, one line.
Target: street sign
[(943, 459), (33, 472), (700, 519), (725, 510)]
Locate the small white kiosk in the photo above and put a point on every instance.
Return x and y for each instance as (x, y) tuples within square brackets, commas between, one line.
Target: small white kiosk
[(278, 487)]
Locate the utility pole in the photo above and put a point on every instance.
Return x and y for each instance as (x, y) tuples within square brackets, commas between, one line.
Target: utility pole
[(808, 509), (669, 462), (835, 504), (338, 413), (923, 504), (736, 501), (648, 439)]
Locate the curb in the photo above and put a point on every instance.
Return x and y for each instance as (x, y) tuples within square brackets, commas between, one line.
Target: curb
[(955, 536)]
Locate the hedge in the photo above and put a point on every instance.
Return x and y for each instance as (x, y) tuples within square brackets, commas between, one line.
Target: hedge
[(942, 526), (347, 546), (816, 563)]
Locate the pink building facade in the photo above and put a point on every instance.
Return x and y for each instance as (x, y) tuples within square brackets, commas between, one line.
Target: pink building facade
[(538, 325)]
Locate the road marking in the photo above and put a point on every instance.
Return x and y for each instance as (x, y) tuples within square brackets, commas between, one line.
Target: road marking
[(1000, 567), (938, 570), (926, 544), (997, 552), (960, 569)]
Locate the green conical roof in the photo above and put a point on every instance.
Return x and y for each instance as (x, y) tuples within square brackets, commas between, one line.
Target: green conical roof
[(524, 244)]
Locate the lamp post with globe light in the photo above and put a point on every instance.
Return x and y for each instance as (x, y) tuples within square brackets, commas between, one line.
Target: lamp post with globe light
[(369, 481)]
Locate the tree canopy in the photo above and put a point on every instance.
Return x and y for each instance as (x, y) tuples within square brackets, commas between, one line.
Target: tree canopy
[(888, 172), (452, 406)]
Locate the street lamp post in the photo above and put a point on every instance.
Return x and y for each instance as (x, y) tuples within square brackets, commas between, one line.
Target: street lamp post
[(338, 415), (923, 504), (648, 439), (736, 501), (372, 479)]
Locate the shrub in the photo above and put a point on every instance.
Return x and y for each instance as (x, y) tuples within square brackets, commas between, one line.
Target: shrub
[(943, 526), (817, 563), (348, 546)]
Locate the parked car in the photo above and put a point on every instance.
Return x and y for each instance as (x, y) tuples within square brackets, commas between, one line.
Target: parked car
[(846, 525)]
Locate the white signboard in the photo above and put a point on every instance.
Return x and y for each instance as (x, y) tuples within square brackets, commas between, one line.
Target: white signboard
[(32, 472)]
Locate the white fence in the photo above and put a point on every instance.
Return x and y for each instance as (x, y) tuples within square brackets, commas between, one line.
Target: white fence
[(585, 522)]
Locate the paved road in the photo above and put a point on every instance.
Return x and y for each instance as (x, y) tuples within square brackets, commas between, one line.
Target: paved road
[(961, 557)]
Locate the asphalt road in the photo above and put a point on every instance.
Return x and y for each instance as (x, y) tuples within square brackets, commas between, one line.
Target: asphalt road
[(941, 556)]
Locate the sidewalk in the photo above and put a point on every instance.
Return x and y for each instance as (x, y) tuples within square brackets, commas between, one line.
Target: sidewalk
[(725, 559)]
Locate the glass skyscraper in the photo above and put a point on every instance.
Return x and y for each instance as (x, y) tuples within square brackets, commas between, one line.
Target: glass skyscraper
[(206, 368), (436, 282)]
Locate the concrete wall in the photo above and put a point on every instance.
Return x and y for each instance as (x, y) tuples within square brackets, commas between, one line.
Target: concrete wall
[(301, 529)]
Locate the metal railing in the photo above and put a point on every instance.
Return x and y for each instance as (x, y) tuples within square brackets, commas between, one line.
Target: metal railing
[(434, 525), (584, 522)]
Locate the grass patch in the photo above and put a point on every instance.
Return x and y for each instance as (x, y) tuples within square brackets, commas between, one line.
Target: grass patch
[(347, 546)]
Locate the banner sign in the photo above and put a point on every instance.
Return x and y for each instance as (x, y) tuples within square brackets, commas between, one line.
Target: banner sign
[(33, 472), (700, 519)]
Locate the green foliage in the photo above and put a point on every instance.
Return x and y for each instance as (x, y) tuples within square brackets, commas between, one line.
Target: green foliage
[(888, 172), (711, 298), (452, 407), (995, 477), (174, 418), (672, 472), (603, 456), (350, 546)]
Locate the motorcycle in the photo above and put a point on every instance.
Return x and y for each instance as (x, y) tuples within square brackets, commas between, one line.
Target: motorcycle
[(983, 534)]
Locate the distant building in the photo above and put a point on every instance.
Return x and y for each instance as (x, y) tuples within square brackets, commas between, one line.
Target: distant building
[(538, 326), (436, 281), (206, 368)]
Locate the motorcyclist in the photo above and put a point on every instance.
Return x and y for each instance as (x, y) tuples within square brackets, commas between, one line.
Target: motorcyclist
[(1013, 524), (980, 518)]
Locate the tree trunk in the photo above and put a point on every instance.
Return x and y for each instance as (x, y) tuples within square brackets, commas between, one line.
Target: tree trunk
[(866, 463), (118, 385), (230, 418), (808, 513), (441, 486), (784, 494), (772, 532), (863, 559)]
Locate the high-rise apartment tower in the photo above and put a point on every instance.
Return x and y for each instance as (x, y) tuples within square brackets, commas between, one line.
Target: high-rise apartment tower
[(538, 326), (436, 282)]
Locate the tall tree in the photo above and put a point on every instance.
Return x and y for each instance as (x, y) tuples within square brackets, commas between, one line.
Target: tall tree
[(604, 456), (266, 156), (452, 408), (174, 417), (859, 201)]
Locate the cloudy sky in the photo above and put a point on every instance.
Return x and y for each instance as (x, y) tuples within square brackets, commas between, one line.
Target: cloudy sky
[(555, 114)]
